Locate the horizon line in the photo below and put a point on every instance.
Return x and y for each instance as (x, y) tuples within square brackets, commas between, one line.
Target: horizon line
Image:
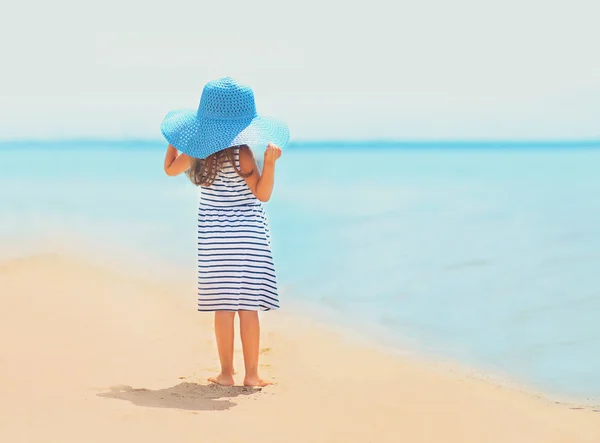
[(331, 141)]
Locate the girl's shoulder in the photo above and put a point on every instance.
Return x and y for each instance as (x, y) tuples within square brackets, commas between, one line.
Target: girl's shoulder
[(244, 151), (247, 161)]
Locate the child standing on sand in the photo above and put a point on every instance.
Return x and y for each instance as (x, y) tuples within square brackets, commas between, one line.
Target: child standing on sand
[(235, 266)]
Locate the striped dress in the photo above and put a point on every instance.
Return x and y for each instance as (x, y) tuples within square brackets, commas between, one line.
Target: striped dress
[(235, 264)]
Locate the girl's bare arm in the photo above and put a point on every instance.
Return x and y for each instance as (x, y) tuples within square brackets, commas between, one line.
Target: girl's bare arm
[(176, 164), (261, 185)]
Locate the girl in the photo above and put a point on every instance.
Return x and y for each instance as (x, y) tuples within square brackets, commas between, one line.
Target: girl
[(235, 266)]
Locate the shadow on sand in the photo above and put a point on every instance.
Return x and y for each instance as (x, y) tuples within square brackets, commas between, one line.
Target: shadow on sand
[(187, 396)]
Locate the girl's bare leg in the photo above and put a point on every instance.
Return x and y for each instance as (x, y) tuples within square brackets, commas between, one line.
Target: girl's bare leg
[(250, 332), (224, 331)]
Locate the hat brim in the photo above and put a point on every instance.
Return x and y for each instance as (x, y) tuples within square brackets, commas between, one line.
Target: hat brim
[(200, 137)]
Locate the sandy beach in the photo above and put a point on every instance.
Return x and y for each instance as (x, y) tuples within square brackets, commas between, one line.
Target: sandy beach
[(91, 355)]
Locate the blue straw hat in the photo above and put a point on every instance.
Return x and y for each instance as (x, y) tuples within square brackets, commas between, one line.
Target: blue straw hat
[(226, 117)]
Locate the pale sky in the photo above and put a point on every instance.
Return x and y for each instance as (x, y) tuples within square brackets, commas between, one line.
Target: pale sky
[(426, 69)]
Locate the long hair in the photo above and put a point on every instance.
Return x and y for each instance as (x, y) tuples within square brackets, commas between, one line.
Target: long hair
[(203, 172)]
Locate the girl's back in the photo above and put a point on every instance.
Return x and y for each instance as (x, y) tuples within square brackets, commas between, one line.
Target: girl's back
[(229, 187), (235, 265)]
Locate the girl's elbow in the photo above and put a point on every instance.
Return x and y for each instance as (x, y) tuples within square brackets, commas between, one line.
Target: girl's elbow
[(261, 195), (264, 198)]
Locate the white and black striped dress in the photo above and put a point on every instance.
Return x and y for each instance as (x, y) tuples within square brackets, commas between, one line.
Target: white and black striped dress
[(235, 264)]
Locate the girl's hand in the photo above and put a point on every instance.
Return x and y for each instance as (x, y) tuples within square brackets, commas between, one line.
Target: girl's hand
[(272, 153)]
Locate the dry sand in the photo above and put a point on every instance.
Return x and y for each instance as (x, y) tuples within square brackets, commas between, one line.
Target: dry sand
[(88, 355)]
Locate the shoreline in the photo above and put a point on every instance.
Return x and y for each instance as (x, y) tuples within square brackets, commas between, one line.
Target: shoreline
[(91, 354), (370, 336)]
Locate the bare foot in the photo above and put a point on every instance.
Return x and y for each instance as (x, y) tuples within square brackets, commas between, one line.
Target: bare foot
[(256, 381), (222, 379)]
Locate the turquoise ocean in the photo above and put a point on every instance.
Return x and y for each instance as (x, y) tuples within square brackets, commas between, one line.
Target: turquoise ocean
[(486, 254)]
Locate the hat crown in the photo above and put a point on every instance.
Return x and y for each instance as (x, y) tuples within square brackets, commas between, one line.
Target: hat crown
[(225, 98)]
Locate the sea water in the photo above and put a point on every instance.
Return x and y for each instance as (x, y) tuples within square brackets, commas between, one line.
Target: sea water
[(489, 255)]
